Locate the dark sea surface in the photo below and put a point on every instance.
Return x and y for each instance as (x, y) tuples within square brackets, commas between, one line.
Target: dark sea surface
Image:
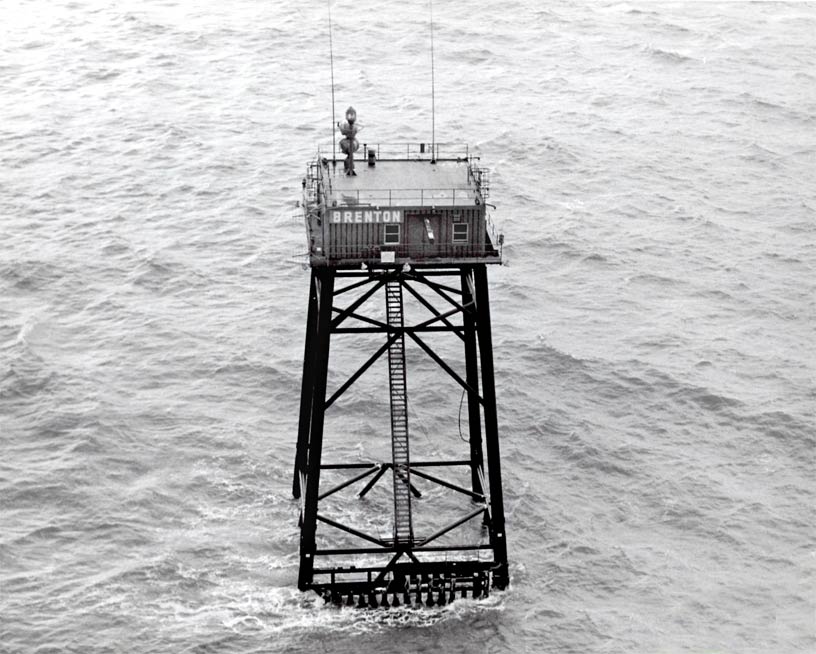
[(654, 325)]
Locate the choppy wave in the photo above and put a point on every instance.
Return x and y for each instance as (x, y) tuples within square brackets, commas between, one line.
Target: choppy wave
[(652, 170)]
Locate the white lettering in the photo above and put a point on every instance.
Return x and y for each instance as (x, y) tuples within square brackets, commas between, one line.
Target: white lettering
[(367, 216)]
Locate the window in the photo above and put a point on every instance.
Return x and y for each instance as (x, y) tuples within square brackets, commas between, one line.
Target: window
[(460, 232), (392, 235)]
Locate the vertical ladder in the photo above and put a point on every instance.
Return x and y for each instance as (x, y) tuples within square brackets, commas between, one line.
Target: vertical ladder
[(403, 529)]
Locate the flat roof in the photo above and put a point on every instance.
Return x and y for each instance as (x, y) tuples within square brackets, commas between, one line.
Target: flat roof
[(401, 183)]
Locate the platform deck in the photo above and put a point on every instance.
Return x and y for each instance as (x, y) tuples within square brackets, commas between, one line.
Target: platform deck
[(402, 183)]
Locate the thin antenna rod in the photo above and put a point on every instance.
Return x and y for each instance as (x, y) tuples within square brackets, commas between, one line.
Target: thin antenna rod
[(433, 94), (331, 57)]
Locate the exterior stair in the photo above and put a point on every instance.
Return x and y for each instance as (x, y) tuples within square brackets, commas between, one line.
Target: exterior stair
[(403, 527)]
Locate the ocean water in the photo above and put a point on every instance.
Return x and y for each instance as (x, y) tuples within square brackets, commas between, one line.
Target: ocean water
[(653, 171)]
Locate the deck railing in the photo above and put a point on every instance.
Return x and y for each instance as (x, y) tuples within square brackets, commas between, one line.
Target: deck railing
[(476, 179), (388, 197), (401, 151), (493, 234), (416, 252)]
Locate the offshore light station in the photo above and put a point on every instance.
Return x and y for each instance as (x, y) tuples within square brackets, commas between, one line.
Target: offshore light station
[(402, 232)]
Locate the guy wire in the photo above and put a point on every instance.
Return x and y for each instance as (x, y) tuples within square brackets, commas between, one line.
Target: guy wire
[(433, 93), (331, 58)]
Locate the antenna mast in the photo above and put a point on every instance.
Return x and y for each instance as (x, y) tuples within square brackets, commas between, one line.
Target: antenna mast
[(433, 94), (331, 58)]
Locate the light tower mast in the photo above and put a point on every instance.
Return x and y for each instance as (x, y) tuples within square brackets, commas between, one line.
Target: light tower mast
[(412, 228)]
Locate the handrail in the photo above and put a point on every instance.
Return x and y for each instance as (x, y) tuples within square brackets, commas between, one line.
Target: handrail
[(476, 192), (419, 251), (493, 235), (410, 150), (445, 196)]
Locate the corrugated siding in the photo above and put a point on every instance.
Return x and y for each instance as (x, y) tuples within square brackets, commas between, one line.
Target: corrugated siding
[(364, 239)]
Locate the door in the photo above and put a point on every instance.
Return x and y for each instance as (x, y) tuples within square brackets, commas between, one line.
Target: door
[(423, 234)]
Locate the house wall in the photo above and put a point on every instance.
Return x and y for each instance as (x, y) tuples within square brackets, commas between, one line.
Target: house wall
[(353, 232)]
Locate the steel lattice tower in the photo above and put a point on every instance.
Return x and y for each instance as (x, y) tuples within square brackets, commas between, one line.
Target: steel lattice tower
[(411, 228)]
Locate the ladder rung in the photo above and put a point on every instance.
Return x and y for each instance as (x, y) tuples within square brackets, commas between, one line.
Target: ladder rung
[(403, 532)]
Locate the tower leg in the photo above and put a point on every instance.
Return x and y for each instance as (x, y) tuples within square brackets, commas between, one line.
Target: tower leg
[(472, 378), (497, 533), (306, 389), (323, 281)]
